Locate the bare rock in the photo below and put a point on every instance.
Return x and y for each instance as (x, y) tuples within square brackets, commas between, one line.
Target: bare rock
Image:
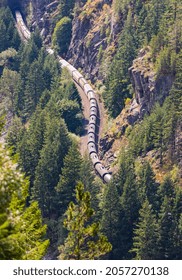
[(148, 88), (105, 145)]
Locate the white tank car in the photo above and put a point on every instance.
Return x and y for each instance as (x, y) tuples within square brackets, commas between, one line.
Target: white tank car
[(79, 79), (21, 26)]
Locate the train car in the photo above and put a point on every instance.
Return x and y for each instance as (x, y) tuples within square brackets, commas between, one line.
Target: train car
[(91, 95), (93, 106), (82, 82), (92, 120), (50, 51), (21, 26), (93, 103), (87, 88), (92, 148), (77, 76)]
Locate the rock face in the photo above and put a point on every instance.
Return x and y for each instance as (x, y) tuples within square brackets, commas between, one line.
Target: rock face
[(94, 31), (38, 13), (42, 16), (93, 23), (104, 145), (148, 88)]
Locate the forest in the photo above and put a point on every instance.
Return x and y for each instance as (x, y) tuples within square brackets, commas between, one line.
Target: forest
[(52, 203)]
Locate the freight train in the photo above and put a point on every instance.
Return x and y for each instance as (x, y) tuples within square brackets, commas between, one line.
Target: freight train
[(87, 89), (25, 33)]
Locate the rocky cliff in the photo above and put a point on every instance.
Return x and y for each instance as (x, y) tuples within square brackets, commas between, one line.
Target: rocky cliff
[(148, 87), (94, 37), (94, 31)]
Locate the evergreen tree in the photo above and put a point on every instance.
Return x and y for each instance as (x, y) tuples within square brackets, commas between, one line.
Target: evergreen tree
[(34, 88), (111, 210), (9, 88), (175, 93), (15, 134), (66, 7), (47, 172), (167, 189), (145, 240), (148, 185), (168, 232), (30, 146), (21, 230), (129, 214), (71, 113), (84, 241), (3, 36), (117, 81), (70, 174), (62, 35), (88, 178)]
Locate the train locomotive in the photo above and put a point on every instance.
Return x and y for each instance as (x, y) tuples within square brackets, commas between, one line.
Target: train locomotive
[(89, 92)]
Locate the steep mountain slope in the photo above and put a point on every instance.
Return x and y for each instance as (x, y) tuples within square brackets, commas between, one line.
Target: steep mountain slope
[(131, 50)]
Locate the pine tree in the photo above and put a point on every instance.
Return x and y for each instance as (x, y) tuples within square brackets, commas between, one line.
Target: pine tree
[(34, 88), (70, 174), (84, 241), (111, 210), (3, 36), (29, 147), (30, 232), (145, 240), (130, 205), (167, 189), (47, 172), (168, 232), (66, 7), (71, 113), (88, 178), (15, 134), (158, 131), (175, 93), (9, 83), (148, 185)]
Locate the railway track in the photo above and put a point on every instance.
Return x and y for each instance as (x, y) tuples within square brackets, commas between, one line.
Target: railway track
[(89, 93)]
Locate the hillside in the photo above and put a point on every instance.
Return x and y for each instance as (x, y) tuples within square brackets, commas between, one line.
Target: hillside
[(131, 53)]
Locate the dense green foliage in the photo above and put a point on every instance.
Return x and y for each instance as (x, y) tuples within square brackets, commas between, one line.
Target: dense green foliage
[(8, 34), (62, 35), (22, 234), (84, 241), (145, 220), (66, 7), (135, 216)]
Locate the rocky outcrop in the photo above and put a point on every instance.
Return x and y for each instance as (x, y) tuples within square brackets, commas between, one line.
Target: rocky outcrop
[(105, 144), (93, 24), (148, 88)]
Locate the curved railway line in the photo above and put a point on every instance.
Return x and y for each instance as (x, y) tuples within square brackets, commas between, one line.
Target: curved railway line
[(90, 94)]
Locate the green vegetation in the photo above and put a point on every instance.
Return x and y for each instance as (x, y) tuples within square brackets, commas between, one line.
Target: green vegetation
[(22, 234), (154, 23), (135, 216), (84, 241), (8, 34), (62, 35)]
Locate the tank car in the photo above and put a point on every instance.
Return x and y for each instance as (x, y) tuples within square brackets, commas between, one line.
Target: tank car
[(93, 106)]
